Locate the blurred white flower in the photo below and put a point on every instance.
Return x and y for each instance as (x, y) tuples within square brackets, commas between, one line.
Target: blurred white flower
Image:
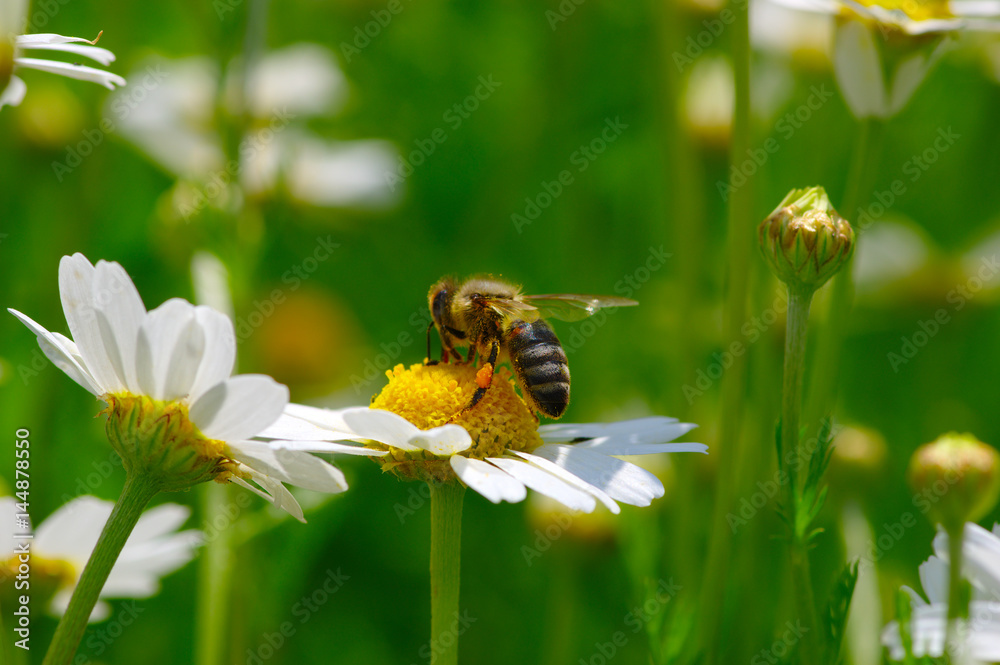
[(62, 545), (981, 567), (175, 125), (884, 50)]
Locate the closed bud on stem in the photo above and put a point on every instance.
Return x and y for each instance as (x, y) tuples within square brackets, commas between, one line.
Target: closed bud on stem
[(959, 475), (805, 241)]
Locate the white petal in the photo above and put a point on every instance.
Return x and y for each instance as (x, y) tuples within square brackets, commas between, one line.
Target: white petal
[(816, 6), (35, 39), (934, 579), (488, 480), (558, 432), (57, 349), (642, 436), (978, 8), (275, 492), (76, 279), (547, 484), (328, 447), (621, 480), (79, 72), (382, 426), (290, 466), (295, 428), (120, 313), (101, 55), (72, 531), (14, 93), (169, 350), (909, 75), (240, 407), (981, 557), (571, 479), (219, 355), (329, 421), (158, 522), (858, 70), (443, 440)]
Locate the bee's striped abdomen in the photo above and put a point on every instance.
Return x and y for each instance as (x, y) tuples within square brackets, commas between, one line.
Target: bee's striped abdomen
[(541, 366)]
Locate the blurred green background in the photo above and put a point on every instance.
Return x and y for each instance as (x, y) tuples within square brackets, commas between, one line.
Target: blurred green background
[(655, 186)]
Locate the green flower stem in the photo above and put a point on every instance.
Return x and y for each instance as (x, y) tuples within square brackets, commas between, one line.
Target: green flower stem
[(138, 490), (446, 557), (791, 406), (740, 247), (829, 338), (215, 574), (958, 600)]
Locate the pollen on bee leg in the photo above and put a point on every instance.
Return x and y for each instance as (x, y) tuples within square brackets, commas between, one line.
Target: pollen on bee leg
[(484, 376)]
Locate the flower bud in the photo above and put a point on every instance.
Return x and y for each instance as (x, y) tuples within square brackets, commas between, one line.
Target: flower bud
[(804, 240), (958, 476)]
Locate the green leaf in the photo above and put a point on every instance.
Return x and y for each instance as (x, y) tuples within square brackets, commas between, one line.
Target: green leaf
[(837, 609)]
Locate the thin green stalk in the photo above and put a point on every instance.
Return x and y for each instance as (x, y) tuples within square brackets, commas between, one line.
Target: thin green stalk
[(215, 573), (829, 338), (138, 490), (958, 606), (739, 250), (791, 407), (446, 557)]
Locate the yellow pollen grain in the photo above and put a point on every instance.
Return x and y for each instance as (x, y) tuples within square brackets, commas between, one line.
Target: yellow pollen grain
[(434, 395)]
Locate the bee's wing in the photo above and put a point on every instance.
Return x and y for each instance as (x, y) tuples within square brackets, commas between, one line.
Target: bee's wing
[(510, 308), (573, 306)]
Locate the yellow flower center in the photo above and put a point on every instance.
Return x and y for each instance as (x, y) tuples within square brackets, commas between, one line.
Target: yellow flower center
[(157, 438), (433, 395), (47, 577)]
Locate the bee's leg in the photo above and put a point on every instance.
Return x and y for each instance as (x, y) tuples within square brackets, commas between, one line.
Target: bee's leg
[(444, 351), (472, 353), (490, 367)]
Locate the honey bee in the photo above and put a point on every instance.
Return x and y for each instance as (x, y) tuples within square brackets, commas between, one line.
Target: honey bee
[(492, 317)]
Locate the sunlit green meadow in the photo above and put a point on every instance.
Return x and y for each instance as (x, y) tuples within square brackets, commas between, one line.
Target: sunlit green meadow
[(574, 147)]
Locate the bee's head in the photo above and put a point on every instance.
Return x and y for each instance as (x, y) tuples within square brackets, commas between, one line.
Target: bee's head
[(439, 299)]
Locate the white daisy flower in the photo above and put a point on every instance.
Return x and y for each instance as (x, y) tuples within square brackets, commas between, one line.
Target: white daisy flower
[(498, 449), (981, 566), (877, 84), (175, 126), (174, 411), (12, 19), (62, 544)]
